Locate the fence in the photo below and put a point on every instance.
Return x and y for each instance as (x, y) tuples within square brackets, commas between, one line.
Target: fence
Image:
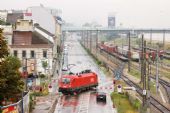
[(19, 107)]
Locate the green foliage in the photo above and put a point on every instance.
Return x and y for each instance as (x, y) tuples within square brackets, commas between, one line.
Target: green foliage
[(32, 102), (135, 73), (134, 101), (3, 46), (42, 75), (10, 78), (160, 45), (37, 94), (122, 103), (44, 64), (4, 23)]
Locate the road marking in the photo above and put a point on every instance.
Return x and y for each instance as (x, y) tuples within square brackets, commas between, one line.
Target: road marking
[(84, 103)]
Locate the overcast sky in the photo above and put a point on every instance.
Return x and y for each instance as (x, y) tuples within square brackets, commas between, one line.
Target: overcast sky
[(131, 13)]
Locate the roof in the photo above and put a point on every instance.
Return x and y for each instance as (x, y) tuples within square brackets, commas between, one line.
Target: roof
[(47, 32), (37, 38)]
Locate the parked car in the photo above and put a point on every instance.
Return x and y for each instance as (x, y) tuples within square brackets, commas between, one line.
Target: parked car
[(101, 97)]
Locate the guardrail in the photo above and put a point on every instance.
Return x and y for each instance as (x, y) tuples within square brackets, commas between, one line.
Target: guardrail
[(21, 106)]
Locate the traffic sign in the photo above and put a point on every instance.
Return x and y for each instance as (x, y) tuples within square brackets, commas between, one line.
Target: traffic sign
[(119, 89), (144, 92), (50, 88)]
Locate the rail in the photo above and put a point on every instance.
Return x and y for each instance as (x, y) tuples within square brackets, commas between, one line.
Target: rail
[(153, 101)]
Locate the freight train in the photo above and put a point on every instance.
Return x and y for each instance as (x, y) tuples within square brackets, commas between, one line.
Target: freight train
[(75, 83), (122, 52)]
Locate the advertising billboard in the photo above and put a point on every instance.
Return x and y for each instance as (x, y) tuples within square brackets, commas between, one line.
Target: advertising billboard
[(111, 21)]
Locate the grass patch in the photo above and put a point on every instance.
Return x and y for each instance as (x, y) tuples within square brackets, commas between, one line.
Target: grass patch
[(166, 61), (152, 87), (134, 73), (166, 74), (122, 103)]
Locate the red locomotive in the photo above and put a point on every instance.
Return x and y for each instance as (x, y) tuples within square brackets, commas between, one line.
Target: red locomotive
[(75, 83)]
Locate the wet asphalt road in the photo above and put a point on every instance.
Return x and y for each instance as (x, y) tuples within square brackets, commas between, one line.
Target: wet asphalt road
[(78, 60)]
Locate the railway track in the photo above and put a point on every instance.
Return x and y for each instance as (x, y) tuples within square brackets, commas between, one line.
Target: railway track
[(161, 81), (153, 101), (139, 90), (166, 86)]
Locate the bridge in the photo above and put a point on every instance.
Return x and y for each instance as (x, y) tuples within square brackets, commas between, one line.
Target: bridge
[(117, 30)]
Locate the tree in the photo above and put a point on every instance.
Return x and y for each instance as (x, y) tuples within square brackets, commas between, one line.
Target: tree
[(4, 23), (11, 83), (44, 65), (3, 46)]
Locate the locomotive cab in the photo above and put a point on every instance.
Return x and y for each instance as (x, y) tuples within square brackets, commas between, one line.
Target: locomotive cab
[(65, 80)]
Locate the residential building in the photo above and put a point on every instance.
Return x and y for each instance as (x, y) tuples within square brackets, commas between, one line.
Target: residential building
[(33, 45), (13, 16), (40, 15), (3, 15)]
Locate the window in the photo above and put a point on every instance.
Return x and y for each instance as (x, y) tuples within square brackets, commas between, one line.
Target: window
[(32, 54), (24, 54), (44, 54), (15, 53), (66, 80)]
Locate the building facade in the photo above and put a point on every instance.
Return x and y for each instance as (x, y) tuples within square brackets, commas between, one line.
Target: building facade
[(32, 48)]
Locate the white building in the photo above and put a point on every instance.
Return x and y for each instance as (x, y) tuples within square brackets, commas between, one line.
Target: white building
[(3, 15), (45, 17)]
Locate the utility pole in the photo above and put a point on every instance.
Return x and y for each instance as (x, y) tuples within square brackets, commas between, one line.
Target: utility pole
[(97, 34), (129, 53), (164, 40), (87, 39), (151, 37), (144, 75), (84, 42), (90, 41), (26, 74), (82, 39), (148, 80), (157, 71), (142, 60)]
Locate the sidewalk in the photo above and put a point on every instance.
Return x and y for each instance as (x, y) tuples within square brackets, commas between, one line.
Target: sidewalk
[(45, 104)]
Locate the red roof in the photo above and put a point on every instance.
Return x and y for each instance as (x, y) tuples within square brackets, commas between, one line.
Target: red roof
[(28, 14)]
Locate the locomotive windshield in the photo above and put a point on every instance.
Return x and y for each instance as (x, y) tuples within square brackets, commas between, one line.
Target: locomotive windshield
[(65, 80)]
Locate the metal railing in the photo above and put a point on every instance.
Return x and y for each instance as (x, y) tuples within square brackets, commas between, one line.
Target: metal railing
[(22, 106)]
